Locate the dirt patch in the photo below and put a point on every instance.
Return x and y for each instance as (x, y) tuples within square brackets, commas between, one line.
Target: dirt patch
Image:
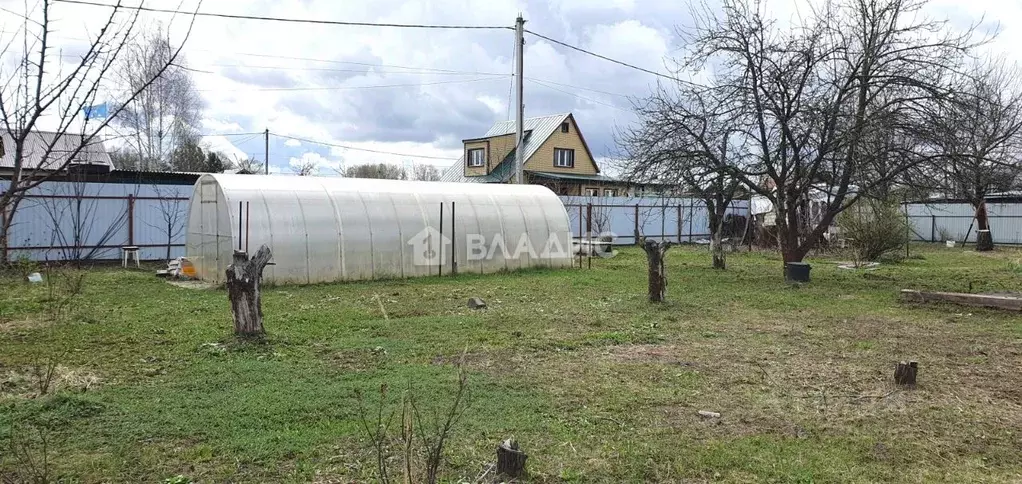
[(498, 362), (11, 326), (648, 353), (191, 284), (29, 382)]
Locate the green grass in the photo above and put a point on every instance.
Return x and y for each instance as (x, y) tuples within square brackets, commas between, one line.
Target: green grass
[(596, 384)]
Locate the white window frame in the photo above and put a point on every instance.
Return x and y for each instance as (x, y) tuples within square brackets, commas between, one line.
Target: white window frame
[(592, 192), (472, 162), (565, 163), (609, 192)]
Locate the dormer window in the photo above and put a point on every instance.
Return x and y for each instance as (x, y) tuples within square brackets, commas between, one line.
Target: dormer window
[(564, 127), (476, 157)]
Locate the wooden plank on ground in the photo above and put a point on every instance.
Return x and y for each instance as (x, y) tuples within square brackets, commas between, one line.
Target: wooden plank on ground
[(988, 301)]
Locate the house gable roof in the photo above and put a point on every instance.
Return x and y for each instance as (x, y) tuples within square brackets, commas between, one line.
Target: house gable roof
[(55, 148), (537, 131)]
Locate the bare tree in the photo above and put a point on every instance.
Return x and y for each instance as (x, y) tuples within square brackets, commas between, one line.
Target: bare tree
[(41, 88), (173, 214), (83, 225), (979, 135), (376, 170), (805, 101), (304, 166), (425, 172), (159, 121), (685, 140), (248, 166)]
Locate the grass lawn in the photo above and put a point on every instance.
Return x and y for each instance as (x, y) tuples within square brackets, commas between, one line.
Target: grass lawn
[(595, 383)]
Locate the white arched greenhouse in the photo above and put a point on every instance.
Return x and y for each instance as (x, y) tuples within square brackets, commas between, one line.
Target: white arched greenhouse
[(332, 229)]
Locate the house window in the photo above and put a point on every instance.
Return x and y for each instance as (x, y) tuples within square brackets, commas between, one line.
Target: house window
[(564, 127), (592, 192), (564, 158), (609, 192), (477, 157)]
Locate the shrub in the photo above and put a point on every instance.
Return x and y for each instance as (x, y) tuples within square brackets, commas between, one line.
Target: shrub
[(874, 228)]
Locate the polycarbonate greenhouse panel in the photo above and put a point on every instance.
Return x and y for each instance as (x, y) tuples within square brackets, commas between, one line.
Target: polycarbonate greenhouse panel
[(330, 229)]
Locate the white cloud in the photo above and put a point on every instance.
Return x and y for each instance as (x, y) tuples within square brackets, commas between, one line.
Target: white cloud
[(432, 116), (221, 144), (220, 126), (292, 143)]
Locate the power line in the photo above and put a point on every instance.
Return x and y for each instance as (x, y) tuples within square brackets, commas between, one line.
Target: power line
[(511, 87), (236, 134), (332, 61), (564, 44), (290, 20), (576, 95), (334, 145), (362, 71), (546, 81), (350, 88)]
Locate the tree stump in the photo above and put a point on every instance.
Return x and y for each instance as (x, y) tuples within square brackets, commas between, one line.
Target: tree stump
[(984, 241), (510, 459), (905, 373), (243, 277), (655, 251)]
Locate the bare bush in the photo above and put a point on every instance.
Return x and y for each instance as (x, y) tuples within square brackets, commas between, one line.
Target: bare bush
[(28, 451), (424, 431), (874, 228)]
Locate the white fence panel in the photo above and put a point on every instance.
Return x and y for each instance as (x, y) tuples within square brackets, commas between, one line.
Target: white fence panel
[(932, 222), (674, 219), (68, 220)]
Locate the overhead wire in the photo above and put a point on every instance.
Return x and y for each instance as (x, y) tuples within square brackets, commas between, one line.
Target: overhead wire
[(288, 20), (534, 81), (511, 86), (608, 59), (347, 147), (349, 88)]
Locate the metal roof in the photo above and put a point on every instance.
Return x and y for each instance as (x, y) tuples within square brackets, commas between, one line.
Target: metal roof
[(537, 131), (37, 156)]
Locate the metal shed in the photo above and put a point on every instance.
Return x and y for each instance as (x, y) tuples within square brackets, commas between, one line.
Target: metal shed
[(330, 229)]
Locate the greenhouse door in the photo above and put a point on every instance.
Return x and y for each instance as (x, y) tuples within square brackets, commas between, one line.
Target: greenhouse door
[(209, 246)]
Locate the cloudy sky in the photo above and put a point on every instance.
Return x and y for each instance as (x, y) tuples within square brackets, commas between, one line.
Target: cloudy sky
[(420, 92)]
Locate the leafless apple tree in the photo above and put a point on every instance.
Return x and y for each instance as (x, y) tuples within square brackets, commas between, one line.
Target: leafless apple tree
[(803, 101), (979, 135), (41, 90), (684, 141)]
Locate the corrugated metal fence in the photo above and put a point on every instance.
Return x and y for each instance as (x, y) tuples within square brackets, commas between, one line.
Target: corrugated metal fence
[(936, 222), (674, 219), (68, 220)]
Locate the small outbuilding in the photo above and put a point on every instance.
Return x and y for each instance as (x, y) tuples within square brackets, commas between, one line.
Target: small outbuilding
[(322, 229)]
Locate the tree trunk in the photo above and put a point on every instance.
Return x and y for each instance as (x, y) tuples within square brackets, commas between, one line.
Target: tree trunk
[(655, 251), (243, 278), (984, 239), (717, 229)]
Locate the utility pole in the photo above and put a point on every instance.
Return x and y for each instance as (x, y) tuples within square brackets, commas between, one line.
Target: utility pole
[(520, 88), (266, 151)]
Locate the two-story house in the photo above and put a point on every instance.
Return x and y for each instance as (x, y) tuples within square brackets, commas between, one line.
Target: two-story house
[(555, 155)]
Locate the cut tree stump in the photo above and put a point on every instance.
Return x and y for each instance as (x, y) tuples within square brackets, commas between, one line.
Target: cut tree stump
[(655, 251), (510, 459), (243, 278), (905, 373)]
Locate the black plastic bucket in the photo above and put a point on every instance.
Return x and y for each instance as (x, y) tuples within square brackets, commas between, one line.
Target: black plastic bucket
[(796, 272)]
